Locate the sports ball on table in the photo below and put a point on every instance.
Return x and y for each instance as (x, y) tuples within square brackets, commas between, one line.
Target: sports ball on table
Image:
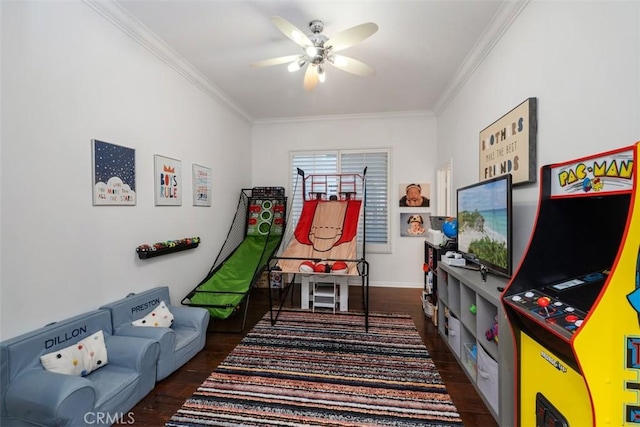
[(307, 267), (450, 228), (339, 267), (322, 267)]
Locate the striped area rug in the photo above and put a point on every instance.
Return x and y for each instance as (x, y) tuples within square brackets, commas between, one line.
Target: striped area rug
[(323, 369)]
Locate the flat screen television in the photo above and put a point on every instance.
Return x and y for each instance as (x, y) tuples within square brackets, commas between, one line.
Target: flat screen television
[(484, 213)]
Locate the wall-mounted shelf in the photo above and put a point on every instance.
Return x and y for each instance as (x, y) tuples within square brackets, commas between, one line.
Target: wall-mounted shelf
[(168, 247)]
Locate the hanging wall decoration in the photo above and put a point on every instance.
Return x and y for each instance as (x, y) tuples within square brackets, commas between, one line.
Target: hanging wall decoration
[(414, 224), (508, 145), (114, 174), (168, 181), (201, 180), (415, 195)]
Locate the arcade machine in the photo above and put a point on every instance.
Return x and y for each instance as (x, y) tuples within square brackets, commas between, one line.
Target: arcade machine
[(574, 302)]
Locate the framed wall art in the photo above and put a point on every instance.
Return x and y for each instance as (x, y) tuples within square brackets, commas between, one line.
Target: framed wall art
[(168, 181), (114, 174), (416, 195), (508, 145), (201, 181), (414, 224)]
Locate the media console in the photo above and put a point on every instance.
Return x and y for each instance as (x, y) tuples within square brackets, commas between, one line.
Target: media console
[(472, 322)]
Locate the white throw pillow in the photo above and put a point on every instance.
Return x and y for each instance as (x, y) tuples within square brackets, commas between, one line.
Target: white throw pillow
[(159, 317), (79, 359)]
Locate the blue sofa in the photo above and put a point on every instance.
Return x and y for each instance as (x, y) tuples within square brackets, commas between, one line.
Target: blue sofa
[(178, 343), (32, 395)]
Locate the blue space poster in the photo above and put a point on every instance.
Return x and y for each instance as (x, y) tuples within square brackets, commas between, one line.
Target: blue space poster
[(114, 174)]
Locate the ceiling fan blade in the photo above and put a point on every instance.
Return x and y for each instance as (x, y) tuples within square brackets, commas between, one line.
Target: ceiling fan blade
[(351, 36), (291, 31), (277, 61), (351, 65), (311, 78)]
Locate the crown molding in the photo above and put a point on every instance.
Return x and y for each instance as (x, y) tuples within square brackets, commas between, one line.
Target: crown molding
[(355, 116), (116, 14), (503, 19)]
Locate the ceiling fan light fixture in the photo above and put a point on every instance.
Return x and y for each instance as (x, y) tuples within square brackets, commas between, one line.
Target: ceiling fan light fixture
[(321, 74), (338, 61), (298, 37), (318, 49), (296, 65)]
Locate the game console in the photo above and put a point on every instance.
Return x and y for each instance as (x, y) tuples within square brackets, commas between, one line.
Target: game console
[(453, 258), (452, 254)]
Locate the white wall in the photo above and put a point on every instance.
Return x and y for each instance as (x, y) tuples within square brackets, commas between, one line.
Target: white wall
[(69, 75), (412, 139), (581, 60)]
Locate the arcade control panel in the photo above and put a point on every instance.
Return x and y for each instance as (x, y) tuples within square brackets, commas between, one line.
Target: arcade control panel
[(561, 306)]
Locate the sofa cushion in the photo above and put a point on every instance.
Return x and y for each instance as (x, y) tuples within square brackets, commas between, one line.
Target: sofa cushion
[(81, 358), (161, 316), (118, 385)]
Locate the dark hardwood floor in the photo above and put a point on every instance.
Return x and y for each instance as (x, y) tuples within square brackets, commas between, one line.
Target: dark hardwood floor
[(169, 394)]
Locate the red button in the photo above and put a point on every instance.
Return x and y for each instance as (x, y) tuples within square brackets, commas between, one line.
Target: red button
[(571, 318)]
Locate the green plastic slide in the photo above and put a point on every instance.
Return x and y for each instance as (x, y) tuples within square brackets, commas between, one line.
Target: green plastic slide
[(231, 282)]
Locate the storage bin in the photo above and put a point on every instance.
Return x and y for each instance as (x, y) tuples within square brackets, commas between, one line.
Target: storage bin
[(469, 358), (427, 305), (454, 335), (488, 378)]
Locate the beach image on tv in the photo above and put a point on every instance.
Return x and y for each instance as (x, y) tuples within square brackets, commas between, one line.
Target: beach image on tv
[(482, 222)]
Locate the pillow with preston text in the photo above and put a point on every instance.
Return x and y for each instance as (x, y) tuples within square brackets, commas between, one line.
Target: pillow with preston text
[(159, 317)]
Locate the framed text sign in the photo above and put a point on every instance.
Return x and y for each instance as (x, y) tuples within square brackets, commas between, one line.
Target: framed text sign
[(201, 182), (168, 181), (508, 145), (114, 174)]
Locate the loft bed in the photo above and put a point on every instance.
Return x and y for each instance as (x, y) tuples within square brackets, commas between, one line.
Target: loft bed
[(255, 235), (326, 234)]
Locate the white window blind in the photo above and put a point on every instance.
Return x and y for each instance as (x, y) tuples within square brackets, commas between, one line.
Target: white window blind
[(349, 161)]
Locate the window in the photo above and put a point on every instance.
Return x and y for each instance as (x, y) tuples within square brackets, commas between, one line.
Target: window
[(349, 161)]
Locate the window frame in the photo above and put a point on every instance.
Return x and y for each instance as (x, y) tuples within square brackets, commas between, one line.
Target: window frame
[(382, 248)]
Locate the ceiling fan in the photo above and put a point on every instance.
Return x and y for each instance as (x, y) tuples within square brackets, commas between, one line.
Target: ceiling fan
[(319, 50)]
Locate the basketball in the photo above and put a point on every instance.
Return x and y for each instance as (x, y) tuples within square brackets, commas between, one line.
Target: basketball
[(339, 267), (306, 267), (322, 267)]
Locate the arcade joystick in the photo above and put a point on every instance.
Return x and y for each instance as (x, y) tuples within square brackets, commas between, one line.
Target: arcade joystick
[(544, 303)]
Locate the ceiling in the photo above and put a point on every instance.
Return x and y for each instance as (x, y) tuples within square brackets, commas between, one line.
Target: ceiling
[(420, 52)]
